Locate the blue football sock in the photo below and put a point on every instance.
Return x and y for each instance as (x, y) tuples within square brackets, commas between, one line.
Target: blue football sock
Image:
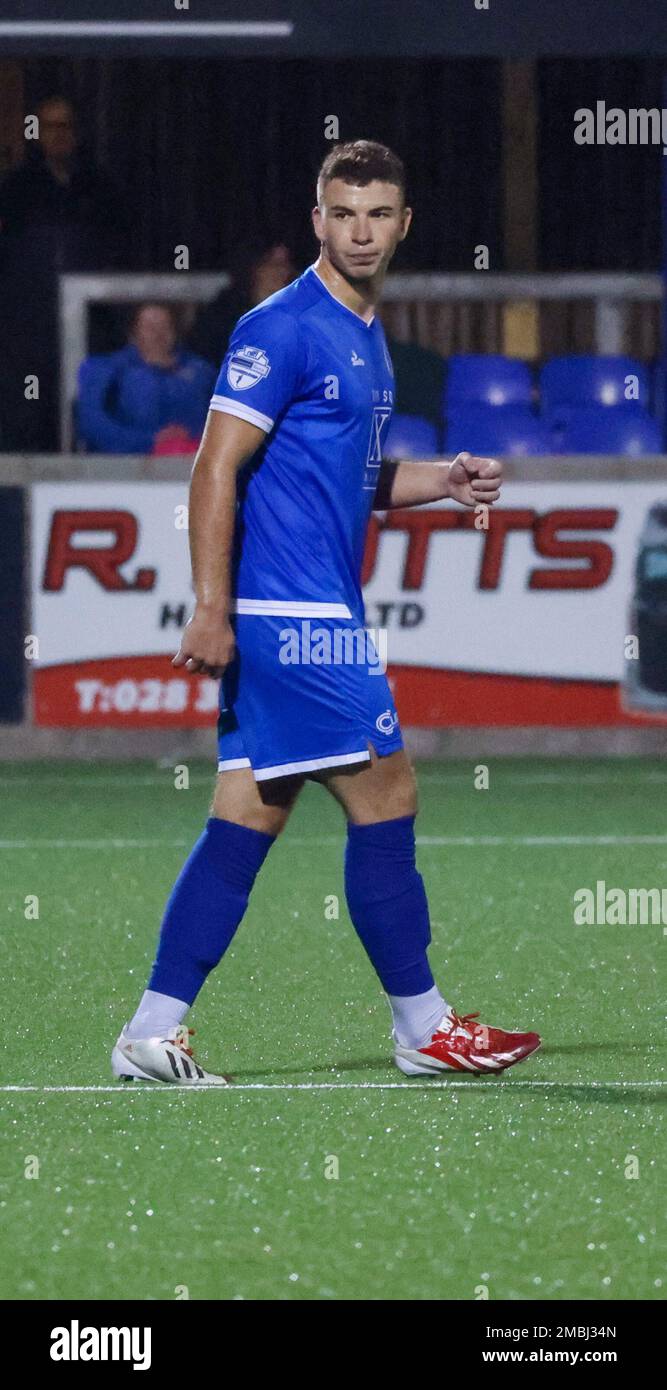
[(387, 903), (206, 905)]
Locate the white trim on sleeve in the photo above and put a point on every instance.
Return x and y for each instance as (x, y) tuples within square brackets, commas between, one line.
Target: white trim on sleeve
[(229, 406), (231, 764)]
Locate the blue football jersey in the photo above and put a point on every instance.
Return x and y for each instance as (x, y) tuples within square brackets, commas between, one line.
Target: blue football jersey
[(319, 381)]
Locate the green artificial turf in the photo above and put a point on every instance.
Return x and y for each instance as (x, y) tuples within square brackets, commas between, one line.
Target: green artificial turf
[(443, 1190)]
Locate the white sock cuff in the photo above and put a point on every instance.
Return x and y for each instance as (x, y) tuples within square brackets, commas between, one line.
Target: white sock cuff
[(157, 1013), (416, 1016)]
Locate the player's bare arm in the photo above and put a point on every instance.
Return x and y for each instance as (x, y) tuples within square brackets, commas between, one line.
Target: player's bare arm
[(467, 479), (207, 644)]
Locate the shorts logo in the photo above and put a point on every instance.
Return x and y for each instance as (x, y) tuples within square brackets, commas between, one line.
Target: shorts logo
[(386, 722), (247, 366)]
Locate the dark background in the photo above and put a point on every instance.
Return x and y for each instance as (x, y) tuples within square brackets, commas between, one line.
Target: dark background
[(185, 167), (358, 28)]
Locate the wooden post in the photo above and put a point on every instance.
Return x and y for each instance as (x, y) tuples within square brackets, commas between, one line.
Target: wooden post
[(520, 330), (12, 142)]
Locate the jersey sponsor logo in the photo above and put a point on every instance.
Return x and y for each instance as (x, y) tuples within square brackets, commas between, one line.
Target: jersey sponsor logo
[(356, 360), (247, 366), (386, 722), (381, 414)]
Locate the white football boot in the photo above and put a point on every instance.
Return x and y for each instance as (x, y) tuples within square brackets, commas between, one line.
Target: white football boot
[(167, 1059)]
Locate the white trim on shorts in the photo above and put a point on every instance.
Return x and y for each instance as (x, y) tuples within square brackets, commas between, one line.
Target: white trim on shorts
[(284, 769), (291, 608), (310, 765)]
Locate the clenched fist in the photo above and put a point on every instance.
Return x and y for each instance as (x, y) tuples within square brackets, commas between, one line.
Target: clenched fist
[(472, 480)]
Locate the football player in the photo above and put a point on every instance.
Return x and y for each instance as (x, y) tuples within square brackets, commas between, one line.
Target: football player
[(289, 469)]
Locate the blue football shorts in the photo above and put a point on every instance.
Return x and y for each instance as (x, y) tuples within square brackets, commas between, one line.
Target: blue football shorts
[(303, 694)]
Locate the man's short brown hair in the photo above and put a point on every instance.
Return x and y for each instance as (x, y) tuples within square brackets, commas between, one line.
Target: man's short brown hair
[(360, 162)]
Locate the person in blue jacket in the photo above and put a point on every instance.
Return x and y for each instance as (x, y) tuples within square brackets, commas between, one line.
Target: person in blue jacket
[(132, 399)]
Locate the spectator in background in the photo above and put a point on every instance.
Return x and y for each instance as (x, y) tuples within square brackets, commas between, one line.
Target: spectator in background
[(150, 397), (420, 373), (58, 212), (260, 272)]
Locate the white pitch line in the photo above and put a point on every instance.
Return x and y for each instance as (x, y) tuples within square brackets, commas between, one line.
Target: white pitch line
[(94, 844), (438, 841), (145, 29), (115, 783), (538, 841), (122, 1088), (538, 779)]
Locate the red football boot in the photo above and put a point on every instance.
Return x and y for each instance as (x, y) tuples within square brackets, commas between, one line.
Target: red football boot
[(458, 1044)]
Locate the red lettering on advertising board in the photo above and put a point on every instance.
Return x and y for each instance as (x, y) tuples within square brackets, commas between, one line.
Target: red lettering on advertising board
[(500, 524), (371, 550), (420, 526), (599, 555), (102, 561)]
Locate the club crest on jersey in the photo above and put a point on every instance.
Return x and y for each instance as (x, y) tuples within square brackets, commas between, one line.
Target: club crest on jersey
[(247, 366)]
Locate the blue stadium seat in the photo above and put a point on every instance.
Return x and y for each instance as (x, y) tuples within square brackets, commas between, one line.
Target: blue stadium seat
[(488, 379), (611, 430), (580, 381), (411, 436), (490, 430)]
